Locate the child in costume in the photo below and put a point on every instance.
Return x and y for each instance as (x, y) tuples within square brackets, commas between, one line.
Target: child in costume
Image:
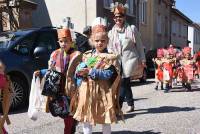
[(187, 64), (98, 83), (179, 70), (2, 76), (168, 64), (61, 60), (5, 92), (197, 59), (159, 72)]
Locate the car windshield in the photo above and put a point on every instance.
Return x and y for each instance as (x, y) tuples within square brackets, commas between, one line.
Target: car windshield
[(6, 39)]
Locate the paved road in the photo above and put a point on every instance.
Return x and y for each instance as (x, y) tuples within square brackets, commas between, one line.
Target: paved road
[(177, 112)]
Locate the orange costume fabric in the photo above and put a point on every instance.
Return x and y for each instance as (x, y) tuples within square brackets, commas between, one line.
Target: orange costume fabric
[(159, 71), (188, 69), (98, 99)]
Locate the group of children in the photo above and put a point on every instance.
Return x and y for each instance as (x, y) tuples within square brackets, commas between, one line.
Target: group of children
[(91, 82), (174, 65)]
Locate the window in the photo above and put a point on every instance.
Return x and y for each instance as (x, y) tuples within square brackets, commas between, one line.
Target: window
[(179, 29), (107, 3), (173, 27), (130, 7), (47, 39), (184, 31), (143, 11), (24, 47), (159, 24), (130, 3), (166, 26), (159, 2)]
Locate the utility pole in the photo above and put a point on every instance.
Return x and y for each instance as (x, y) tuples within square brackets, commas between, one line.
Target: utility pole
[(85, 12)]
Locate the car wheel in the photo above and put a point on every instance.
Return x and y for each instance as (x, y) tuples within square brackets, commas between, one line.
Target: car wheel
[(20, 93), (144, 77)]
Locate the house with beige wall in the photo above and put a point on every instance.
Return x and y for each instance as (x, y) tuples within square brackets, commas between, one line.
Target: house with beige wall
[(154, 24), (179, 28), (81, 12), (194, 37), (16, 15)]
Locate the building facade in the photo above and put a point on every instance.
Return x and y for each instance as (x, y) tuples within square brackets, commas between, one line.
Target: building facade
[(16, 15), (194, 37), (154, 24), (179, 28), (81, 12)]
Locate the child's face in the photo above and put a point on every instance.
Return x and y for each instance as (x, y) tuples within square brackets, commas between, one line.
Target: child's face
[(187, 56), (65, 43), (100, 41)]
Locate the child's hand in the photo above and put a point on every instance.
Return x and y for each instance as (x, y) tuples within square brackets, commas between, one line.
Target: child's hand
[(37, 73), (84, 71)]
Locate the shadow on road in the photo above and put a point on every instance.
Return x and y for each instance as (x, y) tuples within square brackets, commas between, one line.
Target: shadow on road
[(182, 89), (132, 132), (18, 111), (136, 83), (138, 99), (164, 109)]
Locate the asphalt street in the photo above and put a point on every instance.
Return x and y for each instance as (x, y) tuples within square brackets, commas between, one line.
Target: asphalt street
[(176, 112)]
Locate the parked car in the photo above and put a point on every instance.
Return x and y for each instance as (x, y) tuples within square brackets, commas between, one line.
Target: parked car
[(150, 64), (25, 51), (140, 73)]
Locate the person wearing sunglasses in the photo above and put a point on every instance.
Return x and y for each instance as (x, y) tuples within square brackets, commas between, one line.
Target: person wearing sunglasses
[(124, 40)]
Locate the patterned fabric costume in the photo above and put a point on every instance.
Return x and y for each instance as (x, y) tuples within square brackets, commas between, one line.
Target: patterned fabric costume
[(187, 64), (65, 62), (97, 95)]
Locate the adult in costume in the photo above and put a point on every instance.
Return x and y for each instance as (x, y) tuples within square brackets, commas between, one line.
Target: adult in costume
[(124, 40)]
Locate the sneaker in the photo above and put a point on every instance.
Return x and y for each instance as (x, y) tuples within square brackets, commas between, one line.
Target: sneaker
[(188, 88), (130, 109), (161, 88), (166, 90)]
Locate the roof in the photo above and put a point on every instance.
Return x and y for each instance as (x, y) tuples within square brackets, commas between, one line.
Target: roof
[(179, 13), (31, 2), (28, 4), (196, 25)]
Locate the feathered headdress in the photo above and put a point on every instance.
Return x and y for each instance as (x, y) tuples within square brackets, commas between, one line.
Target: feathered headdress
[(99, 25), (118, 8)]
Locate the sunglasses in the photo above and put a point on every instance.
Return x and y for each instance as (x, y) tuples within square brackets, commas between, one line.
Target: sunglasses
[(119, 16), (63, 41)]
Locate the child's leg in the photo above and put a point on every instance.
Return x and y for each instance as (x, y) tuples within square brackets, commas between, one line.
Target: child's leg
[(87, 128), (106, 128), (69, 123), (156, 85), (161, 86)]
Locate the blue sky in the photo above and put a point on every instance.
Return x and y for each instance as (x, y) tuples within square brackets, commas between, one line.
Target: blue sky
[(191, 8)]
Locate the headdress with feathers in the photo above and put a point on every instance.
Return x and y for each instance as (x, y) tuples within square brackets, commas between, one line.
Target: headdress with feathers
[(118, 7)]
